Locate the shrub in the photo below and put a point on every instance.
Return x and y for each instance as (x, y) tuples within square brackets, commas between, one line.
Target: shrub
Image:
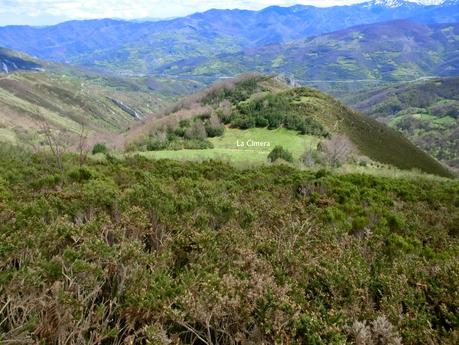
[(158, 141), (135, 244), (197, 144), (242, 122), (99, 148), (214, 127), (184, 123), (225, 109), (180, 132), (280, 153), (310, 157), (196, 131), (156, 145), (274, 120), (261, 121), (311, 127)]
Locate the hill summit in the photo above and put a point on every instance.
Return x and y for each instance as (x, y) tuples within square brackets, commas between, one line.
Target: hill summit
[(254, 101)]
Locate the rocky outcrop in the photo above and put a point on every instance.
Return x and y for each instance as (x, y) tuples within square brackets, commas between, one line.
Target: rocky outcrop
[(131, 111), (11, 61)]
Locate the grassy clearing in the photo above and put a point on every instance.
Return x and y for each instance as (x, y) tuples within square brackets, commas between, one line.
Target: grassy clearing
[(226, 147)]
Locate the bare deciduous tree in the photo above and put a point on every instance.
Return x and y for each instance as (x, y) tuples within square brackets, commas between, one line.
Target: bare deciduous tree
[(196, 131), (308, 157), (83, 147), (337, 149), (54, 142)]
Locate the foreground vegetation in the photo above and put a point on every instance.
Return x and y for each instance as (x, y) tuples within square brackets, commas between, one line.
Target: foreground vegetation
[(158, 252)]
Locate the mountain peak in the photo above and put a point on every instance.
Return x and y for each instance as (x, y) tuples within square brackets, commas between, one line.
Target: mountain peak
[(387, 3), (399, 3)]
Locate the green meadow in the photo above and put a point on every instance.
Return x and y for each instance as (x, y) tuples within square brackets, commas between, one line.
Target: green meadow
[(244, 146)]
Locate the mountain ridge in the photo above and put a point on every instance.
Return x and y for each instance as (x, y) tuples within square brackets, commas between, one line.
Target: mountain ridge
[(141, 47), (409, 50)]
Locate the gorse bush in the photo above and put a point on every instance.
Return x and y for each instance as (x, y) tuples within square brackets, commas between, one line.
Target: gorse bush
[(99, 148), (280, 153), (138, 251)]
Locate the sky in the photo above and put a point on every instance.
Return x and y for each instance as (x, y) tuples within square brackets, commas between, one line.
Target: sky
[(48, 12)]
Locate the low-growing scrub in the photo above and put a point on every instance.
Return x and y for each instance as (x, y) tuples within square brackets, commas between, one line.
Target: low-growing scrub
[(154, 252)]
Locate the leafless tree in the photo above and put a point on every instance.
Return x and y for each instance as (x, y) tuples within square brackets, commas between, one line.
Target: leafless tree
[(83, 147), (337, 149), (54, 143), (308, 158), (196, 131)]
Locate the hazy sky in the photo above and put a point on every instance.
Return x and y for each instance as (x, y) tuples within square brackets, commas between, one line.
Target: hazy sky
[(42, 12)]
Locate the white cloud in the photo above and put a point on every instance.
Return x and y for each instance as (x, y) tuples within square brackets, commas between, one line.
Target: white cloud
[(26, 10)]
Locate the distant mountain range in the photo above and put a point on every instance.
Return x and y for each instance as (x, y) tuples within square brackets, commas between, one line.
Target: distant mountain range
[(389, 51), (144, 47)]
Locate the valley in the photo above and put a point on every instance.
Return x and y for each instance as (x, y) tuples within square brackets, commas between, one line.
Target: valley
[(353, 57), (71, 100)]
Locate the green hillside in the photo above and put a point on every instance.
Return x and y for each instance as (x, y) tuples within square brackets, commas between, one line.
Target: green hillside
[(65, 97), (352, 58), (426, 112), (263, 102), (105, 105), (27, 99), (143, 251)]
